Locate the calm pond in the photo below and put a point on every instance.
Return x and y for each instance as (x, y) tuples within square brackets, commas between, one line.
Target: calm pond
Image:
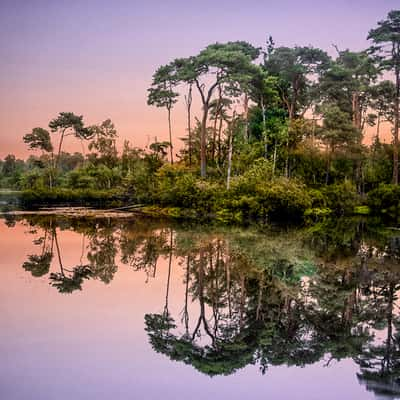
[(138, 309)]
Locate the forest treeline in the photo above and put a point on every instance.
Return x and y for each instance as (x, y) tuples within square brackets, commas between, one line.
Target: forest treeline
[(280, 135)]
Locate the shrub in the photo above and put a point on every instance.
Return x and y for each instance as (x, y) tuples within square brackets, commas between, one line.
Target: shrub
[(177, 186), (384, 201), (341, 198)]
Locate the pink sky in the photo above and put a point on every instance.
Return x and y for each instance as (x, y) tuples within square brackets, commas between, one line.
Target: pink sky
[(96, 58)]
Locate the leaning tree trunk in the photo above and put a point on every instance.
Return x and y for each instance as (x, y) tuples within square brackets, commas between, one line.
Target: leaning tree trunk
[(59, 150)]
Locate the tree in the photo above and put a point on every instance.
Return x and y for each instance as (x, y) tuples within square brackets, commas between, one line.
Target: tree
[(229, 65), (39, 138), (386, 39), (347, 83), (9, 165), (383, 95), (66, 124), (337, 131), (296, 69), (104, 142), (264, 92), (161, 94)]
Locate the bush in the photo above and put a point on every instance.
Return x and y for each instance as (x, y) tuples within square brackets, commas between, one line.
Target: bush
[(384, 201), (177, 186), (341, 198), (256, 195)]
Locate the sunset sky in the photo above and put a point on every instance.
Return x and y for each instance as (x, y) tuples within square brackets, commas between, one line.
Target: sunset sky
[(96, 58)]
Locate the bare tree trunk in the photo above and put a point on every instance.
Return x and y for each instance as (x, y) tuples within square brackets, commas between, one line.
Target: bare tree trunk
[(274, 159), (264, 129), (246, 117), (221, 120), (217, 112), (328, 166), (242, 300), (203, 142), (228, 278), (389, 336), (188, 100), (287, 158), (354, 106), (59, 149), (186, 312), (228, 178), (169, 274), (396, 129), (203, 136), (58, 252), (378, 126), (171, 150)]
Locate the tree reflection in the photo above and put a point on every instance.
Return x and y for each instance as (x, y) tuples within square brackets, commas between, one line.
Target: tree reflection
[(277, 298)]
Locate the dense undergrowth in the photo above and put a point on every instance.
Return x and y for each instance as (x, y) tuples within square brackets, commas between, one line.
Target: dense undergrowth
[(253, 197)]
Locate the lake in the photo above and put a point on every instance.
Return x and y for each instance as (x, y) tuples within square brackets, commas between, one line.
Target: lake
[(130, 308)]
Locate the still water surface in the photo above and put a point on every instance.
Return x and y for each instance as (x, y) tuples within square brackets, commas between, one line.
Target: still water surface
[(133, 309)]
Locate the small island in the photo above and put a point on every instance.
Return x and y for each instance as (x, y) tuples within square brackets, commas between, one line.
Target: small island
[(274, 134)]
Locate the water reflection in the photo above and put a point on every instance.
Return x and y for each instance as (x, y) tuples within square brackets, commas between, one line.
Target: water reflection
[(278, 298)]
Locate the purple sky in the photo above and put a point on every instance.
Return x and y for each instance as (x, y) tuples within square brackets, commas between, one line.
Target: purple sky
[(96, 58)]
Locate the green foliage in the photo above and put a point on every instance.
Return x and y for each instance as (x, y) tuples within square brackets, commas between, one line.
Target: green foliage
[(39, 139), (362, 210), (384, 201), (257, 195), (68, 120), (178, 186), (341, 197), (77, 197), (104, 144)]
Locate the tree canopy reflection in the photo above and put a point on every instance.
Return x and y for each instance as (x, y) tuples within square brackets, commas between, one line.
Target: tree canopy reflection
[(267, 299)]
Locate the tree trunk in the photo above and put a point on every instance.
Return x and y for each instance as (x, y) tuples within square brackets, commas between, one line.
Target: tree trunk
[(396, 129), (205, 99), (58, 252), (274, 159), (214, 139), (217, 112), (287, 158), (186, 312), (171, 150), (228, 178), (221, 120), (328, 167), (246, 117), (189, 120), (355, 105), (264, 129), (169, 274), (59, 150), (378, 126), (203, 139)]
